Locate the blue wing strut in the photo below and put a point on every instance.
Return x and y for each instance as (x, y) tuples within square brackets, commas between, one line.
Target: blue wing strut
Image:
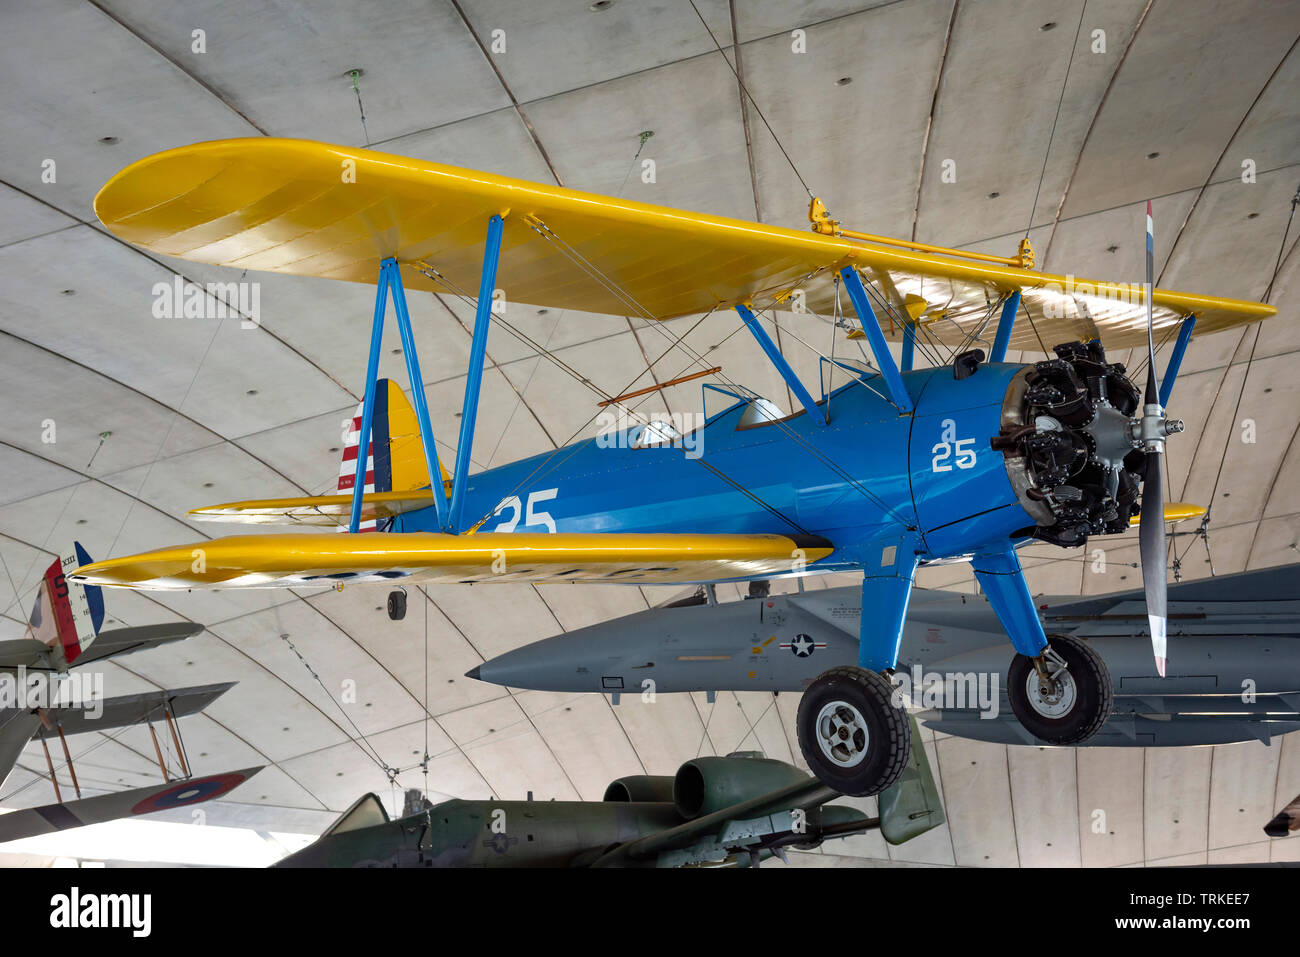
[(390, 277)]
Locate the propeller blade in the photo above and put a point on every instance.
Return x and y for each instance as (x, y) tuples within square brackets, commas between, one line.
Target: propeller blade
[(1151, 527), (1153, 389), (1154, 555)]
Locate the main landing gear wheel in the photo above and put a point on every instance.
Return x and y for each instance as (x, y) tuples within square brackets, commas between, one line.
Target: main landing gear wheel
[(1068, 704), (850, 733), (397, 604)]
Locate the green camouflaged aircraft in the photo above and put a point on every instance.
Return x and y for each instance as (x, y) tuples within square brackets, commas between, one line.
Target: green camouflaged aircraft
[(715, 812)]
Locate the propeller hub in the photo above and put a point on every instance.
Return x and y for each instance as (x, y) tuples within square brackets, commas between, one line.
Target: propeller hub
[(1150, 428)]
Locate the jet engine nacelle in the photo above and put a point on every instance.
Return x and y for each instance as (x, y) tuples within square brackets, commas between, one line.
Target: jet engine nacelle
[(636, 788), (710, 784)]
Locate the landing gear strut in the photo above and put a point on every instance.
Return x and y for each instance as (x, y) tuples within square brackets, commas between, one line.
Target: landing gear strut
[(1064, 695), (851, 734)]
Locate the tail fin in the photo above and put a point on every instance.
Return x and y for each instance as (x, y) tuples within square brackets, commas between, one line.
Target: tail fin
[(395, 456), (66, 616)]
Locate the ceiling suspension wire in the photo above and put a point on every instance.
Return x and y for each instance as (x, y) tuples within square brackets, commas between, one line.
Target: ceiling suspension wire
[(360, 740), (749, 96), (424, 760), (1052, 135)]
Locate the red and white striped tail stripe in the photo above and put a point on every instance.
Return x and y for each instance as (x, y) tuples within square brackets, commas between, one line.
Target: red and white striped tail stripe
[(348, 467)]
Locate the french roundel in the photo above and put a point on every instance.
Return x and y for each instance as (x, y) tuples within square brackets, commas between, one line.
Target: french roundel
[(190, 792)]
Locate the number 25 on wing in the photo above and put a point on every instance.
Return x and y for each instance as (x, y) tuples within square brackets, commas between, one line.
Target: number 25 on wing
[(951, 450)]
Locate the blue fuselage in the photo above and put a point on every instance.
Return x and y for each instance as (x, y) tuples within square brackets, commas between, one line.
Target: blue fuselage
[(869, 475)]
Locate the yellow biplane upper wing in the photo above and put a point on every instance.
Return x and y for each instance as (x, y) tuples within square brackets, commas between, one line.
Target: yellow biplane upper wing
[(303, 559), (312, 209)]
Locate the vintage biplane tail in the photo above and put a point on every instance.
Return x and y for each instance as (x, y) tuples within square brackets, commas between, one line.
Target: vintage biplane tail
[(396, 476), (394, 459), (65, 618)]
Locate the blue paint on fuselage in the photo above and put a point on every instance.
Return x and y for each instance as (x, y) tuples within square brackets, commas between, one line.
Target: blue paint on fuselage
[(871, 474)]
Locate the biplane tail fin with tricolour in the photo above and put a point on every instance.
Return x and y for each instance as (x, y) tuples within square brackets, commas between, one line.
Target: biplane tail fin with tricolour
[(396, 477), (65, 626), (64, 620)]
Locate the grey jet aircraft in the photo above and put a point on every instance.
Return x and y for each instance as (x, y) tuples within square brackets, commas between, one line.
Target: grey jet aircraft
[(1235, 663)]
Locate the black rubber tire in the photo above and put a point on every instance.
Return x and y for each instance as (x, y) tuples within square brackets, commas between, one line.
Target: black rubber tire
[(890, 733), (1095, 695), (397, 605)]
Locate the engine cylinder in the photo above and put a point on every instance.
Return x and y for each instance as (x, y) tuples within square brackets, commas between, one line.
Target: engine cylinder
[(1067, 438)]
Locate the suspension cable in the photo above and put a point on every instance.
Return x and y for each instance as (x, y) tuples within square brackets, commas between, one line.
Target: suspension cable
[(749, 96)]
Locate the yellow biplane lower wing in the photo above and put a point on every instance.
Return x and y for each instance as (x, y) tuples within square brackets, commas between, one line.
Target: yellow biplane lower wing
[(312, 209), (304, 559), (330, 511)]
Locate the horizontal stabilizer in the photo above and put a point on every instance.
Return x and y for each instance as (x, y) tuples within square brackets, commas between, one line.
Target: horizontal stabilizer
[(38, 656), (291, 560), (330, 511), (33, 821), (124, 641)]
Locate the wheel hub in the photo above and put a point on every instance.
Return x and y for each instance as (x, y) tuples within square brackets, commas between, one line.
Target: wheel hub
[(842, 734), (1054, 697)]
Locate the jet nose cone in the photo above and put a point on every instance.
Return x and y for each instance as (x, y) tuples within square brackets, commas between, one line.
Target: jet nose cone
[(473, 673)]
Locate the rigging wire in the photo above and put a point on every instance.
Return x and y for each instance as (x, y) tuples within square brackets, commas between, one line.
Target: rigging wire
[(583, 380), (679, 342), (1241, 392)]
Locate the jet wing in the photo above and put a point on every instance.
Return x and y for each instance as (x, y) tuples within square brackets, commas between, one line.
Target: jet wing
[(290, 560), (32, 821), (312, 209), (911, 805), (802, 794)]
